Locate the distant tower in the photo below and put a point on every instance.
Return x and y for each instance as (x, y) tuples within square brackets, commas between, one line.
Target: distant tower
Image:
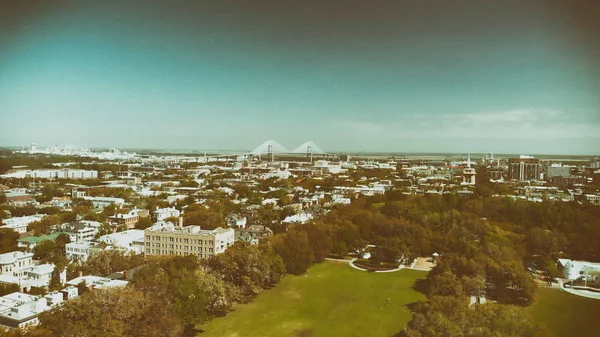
[(309, 152), (270, 152), (469, 173)]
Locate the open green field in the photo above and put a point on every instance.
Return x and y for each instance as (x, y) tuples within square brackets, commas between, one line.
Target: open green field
[(320, 303), (566, 314)]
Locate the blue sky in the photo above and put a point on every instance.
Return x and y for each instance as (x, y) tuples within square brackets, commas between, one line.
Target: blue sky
[(407, 76)]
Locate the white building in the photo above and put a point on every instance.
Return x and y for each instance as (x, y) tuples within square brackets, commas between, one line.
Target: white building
[(298, 218), (78, 251), (19, 310), (97, 282), (18, 268), (593, 199), (80, 231), (573, 270), (129, 240), (40, 276), (62, 173), (19, 224), (236, 220), (101, 202), (160, 214), (15, 263)]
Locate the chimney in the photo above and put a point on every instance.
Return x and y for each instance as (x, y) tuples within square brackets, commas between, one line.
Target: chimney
[(180, 221)]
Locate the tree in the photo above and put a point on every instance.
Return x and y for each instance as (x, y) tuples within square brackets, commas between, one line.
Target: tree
[(143, 223), (198, 297), (37, 291), (8, 240), (45, 250), (43, 226), (82, 288), (61, 242), (445, 284), (112, 312), (205, 218), (8, 288)]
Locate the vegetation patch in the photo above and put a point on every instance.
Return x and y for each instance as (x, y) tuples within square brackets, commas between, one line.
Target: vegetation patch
[(335, 301), (565, 314)]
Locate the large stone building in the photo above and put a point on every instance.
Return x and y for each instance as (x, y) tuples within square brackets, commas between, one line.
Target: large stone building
[(169, 239), (524, 168)]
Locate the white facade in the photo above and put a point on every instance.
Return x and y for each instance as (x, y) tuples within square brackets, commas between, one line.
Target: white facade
[(160, 214), (15, 263), (78, 250), (19, 224), (53, 173), (572, 270), (101, 202), (40, 276), (18, 268), (80, 231), (593, 199), (298, 218), (19, 310), (127, 240)]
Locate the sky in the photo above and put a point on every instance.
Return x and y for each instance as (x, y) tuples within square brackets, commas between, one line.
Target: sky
[(353, 75)]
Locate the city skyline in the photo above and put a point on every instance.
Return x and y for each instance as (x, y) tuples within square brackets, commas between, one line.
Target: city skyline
[(351, 76)]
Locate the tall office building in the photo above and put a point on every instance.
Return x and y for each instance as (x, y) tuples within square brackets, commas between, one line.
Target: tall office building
[(524, 168)]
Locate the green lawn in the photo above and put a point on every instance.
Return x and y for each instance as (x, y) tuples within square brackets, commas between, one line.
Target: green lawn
[(565, 314), (320, 303)]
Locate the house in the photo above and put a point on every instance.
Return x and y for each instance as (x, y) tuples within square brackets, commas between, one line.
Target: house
[(15, 263), (18, 268), (235, 220), (19, 224), (79, 251), (130, 240), (40, 275), (19, 310), (253, 234), (160, 214), (79, 231), (128, 219), (298, 218), (30, 242)]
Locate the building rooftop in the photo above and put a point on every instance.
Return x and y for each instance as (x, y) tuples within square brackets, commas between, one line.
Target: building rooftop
[(12, 257)]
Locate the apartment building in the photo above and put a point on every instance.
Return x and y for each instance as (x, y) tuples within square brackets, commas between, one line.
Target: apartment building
[(169, 239)]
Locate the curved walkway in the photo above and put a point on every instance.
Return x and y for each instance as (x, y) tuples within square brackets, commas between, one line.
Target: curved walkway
[(351, 263), (582, 293)]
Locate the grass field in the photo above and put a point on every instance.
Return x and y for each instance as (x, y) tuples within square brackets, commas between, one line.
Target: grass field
[(565, 314), (320, 303)]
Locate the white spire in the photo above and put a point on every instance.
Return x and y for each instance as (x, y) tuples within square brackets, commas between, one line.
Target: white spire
[(469, 160)]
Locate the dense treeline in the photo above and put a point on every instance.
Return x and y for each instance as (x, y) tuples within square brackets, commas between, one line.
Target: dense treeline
[(484, 242)]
